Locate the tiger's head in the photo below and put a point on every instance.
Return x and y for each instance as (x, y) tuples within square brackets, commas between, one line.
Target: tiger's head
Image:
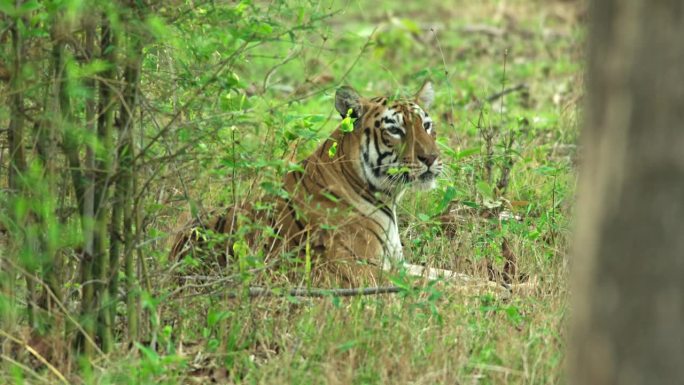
[(397, 145)]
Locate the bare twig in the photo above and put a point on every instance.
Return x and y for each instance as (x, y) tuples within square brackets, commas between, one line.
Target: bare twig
[(341, 81), (227, 63), (230, 278), (483, 29), (304, 292), (506, 91)]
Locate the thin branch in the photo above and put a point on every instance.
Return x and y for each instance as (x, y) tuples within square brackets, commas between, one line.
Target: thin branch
[(342, 79), (506, 91), (220, 66), (308, 293)]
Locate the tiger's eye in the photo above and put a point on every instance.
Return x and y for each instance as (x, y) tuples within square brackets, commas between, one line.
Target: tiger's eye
[(394, 131)]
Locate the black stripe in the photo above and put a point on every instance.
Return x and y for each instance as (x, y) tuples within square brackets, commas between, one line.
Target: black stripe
[(324, 189), (350, 251), (375, 142), (385, 142), (220, 223), (318, 184), (384, 155), (297, 175), (370, 198), (377, 169), (382, 207), (359, 189), (367, 133), (293, 213), (320, 153), (382, 241)]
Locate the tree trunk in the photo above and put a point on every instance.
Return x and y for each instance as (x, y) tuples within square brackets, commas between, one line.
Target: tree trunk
[(88, 213), (125, 183), (15, 136), (15, 133), (629, 286), (105, 266)]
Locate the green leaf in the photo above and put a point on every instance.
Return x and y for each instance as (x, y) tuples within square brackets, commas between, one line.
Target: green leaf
[(262, 29), (485, 189), (215, 316), (241, 249), (150, 354), (398, 170), (401, 282), (331, 197), (457, 155), (346, 346), (332, 150), (158, 27), (449, 194), (547, 170), (9, 8), (93, 67), (411, 26), (348, 122), (231, 102), (514, 315)]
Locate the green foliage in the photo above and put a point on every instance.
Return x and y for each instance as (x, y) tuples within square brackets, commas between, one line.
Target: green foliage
[(347, 124)]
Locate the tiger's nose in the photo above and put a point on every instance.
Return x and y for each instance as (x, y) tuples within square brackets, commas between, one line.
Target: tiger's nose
[(427, 159)]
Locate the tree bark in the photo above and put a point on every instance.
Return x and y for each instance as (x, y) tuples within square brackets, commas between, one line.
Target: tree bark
[(88, 302), (15, 137), (105, 265), (629, 286), (15, 132), (127, 156)]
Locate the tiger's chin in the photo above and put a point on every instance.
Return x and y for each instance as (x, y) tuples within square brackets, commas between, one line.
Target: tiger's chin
[(426, 181)]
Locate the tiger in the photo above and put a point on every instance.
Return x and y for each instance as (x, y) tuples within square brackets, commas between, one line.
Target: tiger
[(340, 207)]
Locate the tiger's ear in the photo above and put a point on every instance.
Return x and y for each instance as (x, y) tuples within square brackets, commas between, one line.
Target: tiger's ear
[(347, 98), (426, 95)]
